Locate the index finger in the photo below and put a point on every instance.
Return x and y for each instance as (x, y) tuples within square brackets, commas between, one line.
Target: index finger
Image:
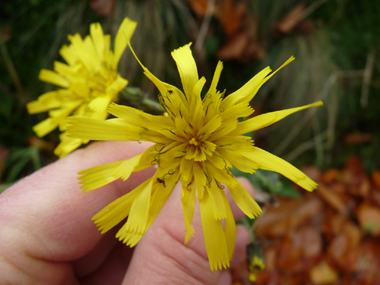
[(49, 213)]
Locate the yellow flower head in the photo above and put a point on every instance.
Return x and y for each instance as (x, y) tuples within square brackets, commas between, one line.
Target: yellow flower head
[(89, 82), (197, 142)]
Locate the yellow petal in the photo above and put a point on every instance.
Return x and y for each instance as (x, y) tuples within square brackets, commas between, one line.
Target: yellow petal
[(66, 146), (140, 118), (187, 68), (81, 89), (80, 49), (244, 200), (128, 166), (215, 240), (138, 216), (200, 180), (123, 36), (104, 174), (188, 204), (268, 119), (99, 176), (229, 228), (44, 103), (237, 159), (53, 78), (240, 110), (97, 36), (215, 79), (278, 69), (248, 90), (218, 206), (68, 54), (210, 127), (221, 175), (268, 161), (158, 199), (164, 88), (186, 169), (92, 55), (45, 127), (115, 87), (226, 128), (113, 129), (99, 104), (118, 210)]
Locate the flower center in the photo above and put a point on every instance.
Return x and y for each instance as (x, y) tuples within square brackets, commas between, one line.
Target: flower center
[(193, 141)]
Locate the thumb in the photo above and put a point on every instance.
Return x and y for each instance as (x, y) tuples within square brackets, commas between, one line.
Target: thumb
[(161, 257)]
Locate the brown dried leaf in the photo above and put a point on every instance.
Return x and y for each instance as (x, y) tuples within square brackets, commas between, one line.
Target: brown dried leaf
[(338, 248), (278, 221), (231, 15), (291, 19), (199, 7), (333, 199), (375, 197), (6, 33), (368, 262), (353, 232), (376, 178), (3, 156), (234, 48), (355, 165), (333, 223), (330, 175), (103, 7), (41, 144), (323, 273), (357, 138), (369, 218), (313, 172)]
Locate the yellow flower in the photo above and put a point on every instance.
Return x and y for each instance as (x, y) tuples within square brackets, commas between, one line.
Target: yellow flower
[(89, 82), (197, 142)]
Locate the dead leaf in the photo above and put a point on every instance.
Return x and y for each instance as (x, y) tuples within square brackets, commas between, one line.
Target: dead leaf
[(199, 7), (3, 156), (369, 218), (278, 221), (330, 175), (6, 33), (103, 7), (231, 15), (355, 165), (41, 144), (376, 178), (357, 137), (313, 172), (333, 199), (234, 48), (291, 19), (323, 273), (368, 262)]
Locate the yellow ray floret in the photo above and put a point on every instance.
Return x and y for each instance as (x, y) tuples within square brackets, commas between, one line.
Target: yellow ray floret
[(198, 142), (90, 82)]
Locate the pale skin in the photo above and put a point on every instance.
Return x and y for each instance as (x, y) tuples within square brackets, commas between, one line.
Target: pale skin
[(47, 236)]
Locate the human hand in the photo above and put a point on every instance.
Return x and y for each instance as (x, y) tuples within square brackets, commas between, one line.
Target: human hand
[(47, 236)]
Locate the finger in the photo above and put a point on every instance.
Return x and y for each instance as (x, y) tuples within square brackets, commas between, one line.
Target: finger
[(48, 218), (113, 268), (162, 254), (242, 240), (225, 278)]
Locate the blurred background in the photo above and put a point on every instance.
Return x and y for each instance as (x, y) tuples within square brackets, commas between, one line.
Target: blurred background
[(336, 43)]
